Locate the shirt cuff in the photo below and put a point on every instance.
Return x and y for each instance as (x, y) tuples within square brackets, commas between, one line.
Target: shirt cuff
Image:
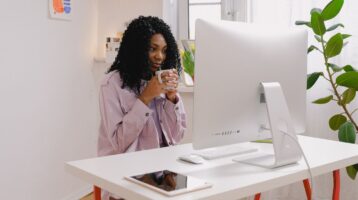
[(170, 106)]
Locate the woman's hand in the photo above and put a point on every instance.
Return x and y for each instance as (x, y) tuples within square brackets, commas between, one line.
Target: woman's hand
[(171, 82), (152, 90)]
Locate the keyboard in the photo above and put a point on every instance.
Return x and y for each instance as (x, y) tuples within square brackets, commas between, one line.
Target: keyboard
[(220, 152)]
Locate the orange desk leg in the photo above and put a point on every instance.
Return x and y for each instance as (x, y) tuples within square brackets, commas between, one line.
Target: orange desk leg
[(97, 193), (258, 196), (306, 183), (336, 185)]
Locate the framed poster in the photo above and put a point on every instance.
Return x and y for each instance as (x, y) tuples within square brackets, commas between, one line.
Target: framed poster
[(60, 9)]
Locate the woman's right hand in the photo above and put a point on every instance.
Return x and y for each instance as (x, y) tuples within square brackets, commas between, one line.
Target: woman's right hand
[(152, 90)]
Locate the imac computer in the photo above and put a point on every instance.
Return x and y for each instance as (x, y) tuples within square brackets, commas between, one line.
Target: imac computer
[(250, 84)]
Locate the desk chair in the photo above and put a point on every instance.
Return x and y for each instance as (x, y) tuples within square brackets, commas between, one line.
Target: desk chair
[(306, 184)]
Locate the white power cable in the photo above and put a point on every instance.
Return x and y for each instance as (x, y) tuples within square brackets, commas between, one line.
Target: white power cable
[(304, 157), (306, 161)]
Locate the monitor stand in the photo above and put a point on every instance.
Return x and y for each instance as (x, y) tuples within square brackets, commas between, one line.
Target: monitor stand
[(285, 145)]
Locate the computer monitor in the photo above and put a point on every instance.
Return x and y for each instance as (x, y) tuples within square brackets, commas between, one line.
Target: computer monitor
[(250, 84)]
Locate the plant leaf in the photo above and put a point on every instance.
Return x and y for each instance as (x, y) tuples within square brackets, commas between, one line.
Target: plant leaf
[(317, 23), (317, 10), (311, 48), (334, 67), (348, 79), (352, 172), (318, 38), (336, 121), (334, 45), (188, 63), (312, 78), (323, 100), (347, 133), (333, 27), (348, 95), (332, 9), (303, 23), (344, 36), (348, 68)]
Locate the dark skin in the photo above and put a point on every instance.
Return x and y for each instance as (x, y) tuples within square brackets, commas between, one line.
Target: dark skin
[(157, 55)]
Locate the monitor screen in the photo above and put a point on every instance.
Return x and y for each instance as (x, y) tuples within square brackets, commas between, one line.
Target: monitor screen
[(232, 59)]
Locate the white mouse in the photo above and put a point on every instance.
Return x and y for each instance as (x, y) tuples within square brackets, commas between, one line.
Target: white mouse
[(195, 159)]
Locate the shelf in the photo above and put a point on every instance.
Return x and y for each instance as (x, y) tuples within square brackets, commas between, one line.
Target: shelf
[(185, 89)]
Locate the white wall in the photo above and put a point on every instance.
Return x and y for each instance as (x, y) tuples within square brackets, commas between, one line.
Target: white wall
[(48, 102), (114, 14)]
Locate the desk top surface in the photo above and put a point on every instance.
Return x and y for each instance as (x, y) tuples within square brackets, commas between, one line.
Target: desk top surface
[(231, 180)]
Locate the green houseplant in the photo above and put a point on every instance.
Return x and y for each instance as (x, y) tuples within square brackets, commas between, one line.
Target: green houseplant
[(343, 80), (188, 63), (187, 56)]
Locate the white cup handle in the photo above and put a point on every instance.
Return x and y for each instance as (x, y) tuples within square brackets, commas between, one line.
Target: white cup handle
[(159, 75)]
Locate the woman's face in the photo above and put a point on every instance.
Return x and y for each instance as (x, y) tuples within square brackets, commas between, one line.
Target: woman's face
[(157, 51)]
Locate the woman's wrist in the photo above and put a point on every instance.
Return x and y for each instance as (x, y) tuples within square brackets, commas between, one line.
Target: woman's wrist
[(144, 99), (173, 98)]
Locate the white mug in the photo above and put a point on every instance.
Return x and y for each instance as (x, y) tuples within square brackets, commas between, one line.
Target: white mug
[(159, 75)]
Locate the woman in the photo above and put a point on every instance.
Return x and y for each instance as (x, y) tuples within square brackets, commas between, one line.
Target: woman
[(139, 112)]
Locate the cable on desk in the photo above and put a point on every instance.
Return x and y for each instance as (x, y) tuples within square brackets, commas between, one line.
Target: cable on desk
[(305, 158)]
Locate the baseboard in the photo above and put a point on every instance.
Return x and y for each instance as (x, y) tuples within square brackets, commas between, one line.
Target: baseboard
[(79, 194)]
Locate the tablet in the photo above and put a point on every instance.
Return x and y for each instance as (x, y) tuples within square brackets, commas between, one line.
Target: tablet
[(169, 183)]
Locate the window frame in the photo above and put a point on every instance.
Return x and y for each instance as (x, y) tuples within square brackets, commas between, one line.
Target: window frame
[(235, 10), (200, 4)]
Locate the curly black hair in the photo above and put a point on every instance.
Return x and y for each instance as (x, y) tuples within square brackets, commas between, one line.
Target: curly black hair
[(132, 61)]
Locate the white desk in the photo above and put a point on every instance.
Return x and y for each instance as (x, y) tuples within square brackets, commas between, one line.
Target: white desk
[(230, 180)]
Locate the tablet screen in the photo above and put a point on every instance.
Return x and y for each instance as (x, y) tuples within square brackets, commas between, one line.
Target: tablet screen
[(165, 180)]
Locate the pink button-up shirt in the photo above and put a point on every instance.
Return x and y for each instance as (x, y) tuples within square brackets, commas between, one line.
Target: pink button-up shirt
[(127, 124)]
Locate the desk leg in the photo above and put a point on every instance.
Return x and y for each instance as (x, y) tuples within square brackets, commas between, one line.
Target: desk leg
[(258, 196), (97, 193), (336, 185), (307, 186), (306, 183)]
